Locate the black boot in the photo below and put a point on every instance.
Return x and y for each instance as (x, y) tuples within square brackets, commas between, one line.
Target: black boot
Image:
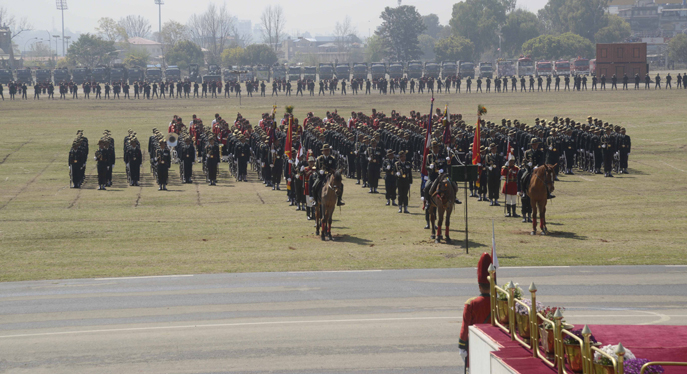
[(387, 202), (339, 202), (515, 213), (393, 202), (405, 209), (507, 210), (307, 212), (400, 208)]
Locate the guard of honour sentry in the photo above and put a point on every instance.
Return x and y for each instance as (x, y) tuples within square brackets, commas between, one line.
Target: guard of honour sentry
[(188, 89), (366, 147)]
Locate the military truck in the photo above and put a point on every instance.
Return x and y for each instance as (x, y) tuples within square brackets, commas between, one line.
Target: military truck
[(194, 73), (136, 74), (432, 70), (6, 76), (118, 73), (486, 70), (24, 76), (61, 75), (262, 72), (228, 74), (310, 73), (214, 74), (294, 73), (360, 70), (172, 73), (449, 69), (396, 70), (154, 74), (505, 68), (101, 74), (326, 70), (415, 70), (343, 71), (81, 75), (43, 76), (378, 70), (466, 69), (278, 71)]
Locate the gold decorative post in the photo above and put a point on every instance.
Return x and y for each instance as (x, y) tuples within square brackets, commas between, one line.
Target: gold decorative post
[(559, 355), (534, 328), (511, 309), (492, 293), (620, 351), (587, 358)]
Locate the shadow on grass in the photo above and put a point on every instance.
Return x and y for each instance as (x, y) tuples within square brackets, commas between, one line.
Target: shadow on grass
[(345, 238), (566, 235)]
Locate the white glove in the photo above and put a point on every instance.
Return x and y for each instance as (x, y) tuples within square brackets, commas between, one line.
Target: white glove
[(262, 164), (95, 158), (271, 165), (356, 152), (274, 151), (490, 168), (535, 168), (369, 159), (431, 166), (302, 168), (603, 146), (479, 164), (388, 167), (441, 171), (463, 353), (501, 153), (322, 172), (550, 148), (503, 178), (289, 180), (448, 158), (290, 161), (127, 164), (529, 164), (398, 174)]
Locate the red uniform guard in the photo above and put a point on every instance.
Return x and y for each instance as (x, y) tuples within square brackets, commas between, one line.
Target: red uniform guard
[(477, 310)]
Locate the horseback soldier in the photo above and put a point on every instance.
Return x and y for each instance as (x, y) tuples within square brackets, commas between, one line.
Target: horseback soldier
[(533, 160), (326, 164)]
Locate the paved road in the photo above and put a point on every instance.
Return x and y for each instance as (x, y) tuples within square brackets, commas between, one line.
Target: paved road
[(404, 321)]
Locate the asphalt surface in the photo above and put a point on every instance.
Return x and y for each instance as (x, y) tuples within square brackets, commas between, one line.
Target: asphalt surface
[(404, 321)]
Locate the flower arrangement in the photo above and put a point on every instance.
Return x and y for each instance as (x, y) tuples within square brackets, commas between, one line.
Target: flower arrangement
[(578, 333), (548, 313), (523, 311), (481, 110), (634, 366), (610, 350), (504, 296)]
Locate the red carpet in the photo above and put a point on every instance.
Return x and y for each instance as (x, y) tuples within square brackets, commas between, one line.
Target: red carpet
[(655, 343)]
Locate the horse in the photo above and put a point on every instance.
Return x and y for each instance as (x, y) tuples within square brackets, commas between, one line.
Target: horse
[(331, 189), (441, 202), (540, 179)]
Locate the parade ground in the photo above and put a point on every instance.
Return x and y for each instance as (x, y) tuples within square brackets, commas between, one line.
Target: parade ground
[(50, 231)]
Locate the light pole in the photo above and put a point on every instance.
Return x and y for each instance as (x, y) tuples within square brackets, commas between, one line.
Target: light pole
[(62, 5), (159, 4), (67, 39), (56, 37), (24, 52)]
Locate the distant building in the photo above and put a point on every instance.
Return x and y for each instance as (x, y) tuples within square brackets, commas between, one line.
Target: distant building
[(324, 48), (153, 48), (652, 18), (5, 45)]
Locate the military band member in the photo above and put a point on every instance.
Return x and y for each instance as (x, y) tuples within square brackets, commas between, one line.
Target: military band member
[(103, 163), (404, 177), (163, 159), (389, 178), (509, 173)]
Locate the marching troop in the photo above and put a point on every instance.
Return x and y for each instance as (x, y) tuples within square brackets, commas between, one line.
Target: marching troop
[(383, 86), (366, 148)]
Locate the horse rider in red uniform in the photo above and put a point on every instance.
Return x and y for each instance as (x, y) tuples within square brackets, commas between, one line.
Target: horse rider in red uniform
[(477, 310)]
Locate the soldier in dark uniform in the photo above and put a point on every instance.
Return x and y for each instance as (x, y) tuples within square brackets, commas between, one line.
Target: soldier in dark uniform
[(212, 159), (389, 178), (326, 163), (374, 163), (163, 159), (404, 178), (103, 163), (477, 310), (277, 165), (76, 163), (608, 146), (624, 145), (553, 150), (658, 81), (134, 158), (188, 157), (242, 155), (597, 151), (493, 165), (569, 150)]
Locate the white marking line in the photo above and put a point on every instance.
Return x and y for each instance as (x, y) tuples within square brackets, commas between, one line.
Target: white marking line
[(533, 267), (148, 277), (587, 179), (335, 271), (676, 266), (231, 325), (673, 167)]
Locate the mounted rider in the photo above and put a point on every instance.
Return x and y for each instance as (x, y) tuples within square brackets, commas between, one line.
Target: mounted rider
[(326, 164), (533, 159), (437, 164)]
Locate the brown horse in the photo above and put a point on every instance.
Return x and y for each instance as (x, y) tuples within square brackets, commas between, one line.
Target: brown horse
[(325, 207), (441, 203), (541, 182)]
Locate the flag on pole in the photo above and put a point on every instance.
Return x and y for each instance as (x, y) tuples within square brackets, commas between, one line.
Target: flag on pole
[(494, 258), (447, 126), (476, 142), (509, 151), (428, 140)]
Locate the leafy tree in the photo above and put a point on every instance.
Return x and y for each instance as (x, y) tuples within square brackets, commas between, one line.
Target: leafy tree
[(399, 32), (616, 31), (476, 20), (552, 47), (135, 26), (432, 26), (110, 30), (521, 26), (677, 48), (172, 33), (233, 56), (454, 48), (260, 54), (91, 50), (375, 51), (551, 17), (137, 58), (427, 46), (587, 17), (185, 53)]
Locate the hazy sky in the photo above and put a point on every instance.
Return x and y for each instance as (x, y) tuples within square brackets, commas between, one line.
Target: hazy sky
[(317, 17)]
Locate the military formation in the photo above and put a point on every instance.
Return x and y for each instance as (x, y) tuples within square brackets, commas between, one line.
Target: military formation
[(456, 84), (367, 148)]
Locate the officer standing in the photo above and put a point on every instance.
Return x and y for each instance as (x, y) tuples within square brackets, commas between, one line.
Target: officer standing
[(509, 173), (607, 144), (493, 175), (389, 178), (163, 159), (242, 155), (404, 177), (103, 163), (212, 159)]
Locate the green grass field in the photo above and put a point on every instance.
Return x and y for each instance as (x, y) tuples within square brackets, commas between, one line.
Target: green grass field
[(49, 231)]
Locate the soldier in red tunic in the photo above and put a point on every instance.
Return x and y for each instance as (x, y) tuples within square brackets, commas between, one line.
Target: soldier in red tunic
[(477, 310), (509, 174)]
